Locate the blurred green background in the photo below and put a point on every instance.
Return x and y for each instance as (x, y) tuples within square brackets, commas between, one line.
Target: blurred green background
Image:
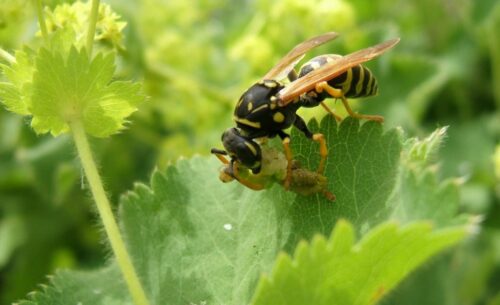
[(195, 59)]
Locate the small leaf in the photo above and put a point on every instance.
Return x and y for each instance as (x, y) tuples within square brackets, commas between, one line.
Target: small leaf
[(419, 194), (77, 88), (338, 272), (15, 95)]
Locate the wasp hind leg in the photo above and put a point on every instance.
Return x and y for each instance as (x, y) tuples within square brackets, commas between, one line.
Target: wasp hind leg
[(325, 106), (318, 137), (337, 93)]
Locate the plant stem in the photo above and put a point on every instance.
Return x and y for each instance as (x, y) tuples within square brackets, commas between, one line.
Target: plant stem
[(41, 19), (92, 24), (106, 214), (7, 56)]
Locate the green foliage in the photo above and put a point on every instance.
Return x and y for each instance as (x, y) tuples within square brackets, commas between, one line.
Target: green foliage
[(76, 88), (337, 271), (196, 58), (194, 240), (361, 169), (16, 93), (73, 19), (420, 194), (69, 87), (60, 83), (102, 287)]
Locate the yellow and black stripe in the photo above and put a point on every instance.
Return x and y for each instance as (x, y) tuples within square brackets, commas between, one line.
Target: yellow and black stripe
[(357, 81)]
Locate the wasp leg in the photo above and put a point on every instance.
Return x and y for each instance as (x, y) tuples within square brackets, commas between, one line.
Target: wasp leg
[(323, 86), (220, 154), (337, 93), (232, 170), (285, 138), (376, 118), (249, 184), (288, 155), (337, 117), (318, 137)]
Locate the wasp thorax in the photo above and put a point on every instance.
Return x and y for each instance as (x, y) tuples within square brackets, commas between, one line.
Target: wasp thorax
[(256, 96), (242, 149)]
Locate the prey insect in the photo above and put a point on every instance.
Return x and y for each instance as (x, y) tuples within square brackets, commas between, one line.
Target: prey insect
[(269, 107), (274, 170)]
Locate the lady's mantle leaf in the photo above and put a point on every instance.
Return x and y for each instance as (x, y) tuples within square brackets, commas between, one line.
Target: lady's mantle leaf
[(77, 88), (104, 287), (361, 169), (15, 94), (336, 271)]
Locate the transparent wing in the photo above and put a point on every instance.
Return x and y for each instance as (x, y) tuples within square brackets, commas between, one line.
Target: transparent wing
[(331, 70), (287, 63)]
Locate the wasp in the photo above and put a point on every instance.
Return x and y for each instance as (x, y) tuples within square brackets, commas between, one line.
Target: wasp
[(269, 107)]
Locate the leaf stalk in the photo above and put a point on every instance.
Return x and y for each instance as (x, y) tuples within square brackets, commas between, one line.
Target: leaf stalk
[(92, 25), (106, 214), (41, 19)]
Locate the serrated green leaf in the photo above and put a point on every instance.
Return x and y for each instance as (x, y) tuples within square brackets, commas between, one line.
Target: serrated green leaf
[(338, 272), (77, 88), (105, 286), (15, 95), (421, 196), (213, 240), (419, 193), (361, 170)]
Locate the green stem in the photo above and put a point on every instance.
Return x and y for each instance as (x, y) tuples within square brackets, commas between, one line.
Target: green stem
[(106, 214), (41, 19), (92, 24), (7, 56)]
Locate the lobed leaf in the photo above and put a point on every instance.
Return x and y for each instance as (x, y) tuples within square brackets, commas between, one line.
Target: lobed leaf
[(77, 88), (361, 169), (103, 286), (15, 94), (337, 271)]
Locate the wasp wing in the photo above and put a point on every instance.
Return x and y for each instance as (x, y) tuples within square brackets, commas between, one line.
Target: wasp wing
[(331, 70), (287, 63)]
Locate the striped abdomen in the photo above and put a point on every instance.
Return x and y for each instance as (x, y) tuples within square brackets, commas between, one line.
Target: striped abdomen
[(357, 81)]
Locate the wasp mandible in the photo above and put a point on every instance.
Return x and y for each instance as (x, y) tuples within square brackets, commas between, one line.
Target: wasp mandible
[(269, 107)]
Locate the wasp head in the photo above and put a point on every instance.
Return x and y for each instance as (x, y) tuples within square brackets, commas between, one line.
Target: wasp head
[(242, 149)]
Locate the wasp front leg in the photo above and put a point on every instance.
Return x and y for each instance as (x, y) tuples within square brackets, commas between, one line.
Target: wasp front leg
[(337, 93), (230, 171), (243, 181)]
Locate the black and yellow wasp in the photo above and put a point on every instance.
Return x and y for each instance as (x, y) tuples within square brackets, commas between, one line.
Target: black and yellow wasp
[(269, 106)]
